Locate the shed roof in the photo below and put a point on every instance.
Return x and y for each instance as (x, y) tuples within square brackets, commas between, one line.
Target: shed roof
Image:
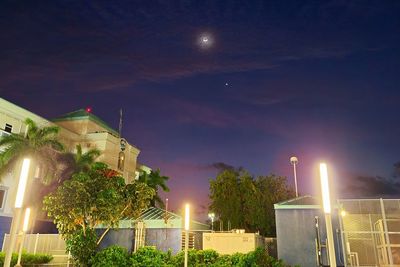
[(302, 202), (154, 213)]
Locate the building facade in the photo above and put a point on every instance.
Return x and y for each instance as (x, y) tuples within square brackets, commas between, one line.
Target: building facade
[(78, 127)]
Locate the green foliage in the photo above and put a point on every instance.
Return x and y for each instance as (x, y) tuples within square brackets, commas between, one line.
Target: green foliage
[(247, 202), (113, 256), (196, 258), (27, 259), (94, 197), (82, 246), (150, 257), (39, 144), (155, 180)]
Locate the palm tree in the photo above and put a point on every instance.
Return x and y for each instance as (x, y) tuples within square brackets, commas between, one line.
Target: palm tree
[(69, 164), (40, 144), (155, 180), (77, 162)]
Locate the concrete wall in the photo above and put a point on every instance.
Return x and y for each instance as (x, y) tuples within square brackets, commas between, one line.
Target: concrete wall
[(295, 230), (164, 239), (5, 224), (120, 237)]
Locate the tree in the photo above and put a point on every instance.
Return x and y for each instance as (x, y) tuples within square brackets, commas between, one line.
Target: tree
[(246, 202), (68, 164), (226, 198), (155, 180), (40, 144), (93, 198)]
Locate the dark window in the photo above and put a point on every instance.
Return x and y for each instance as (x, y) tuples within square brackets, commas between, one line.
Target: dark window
[(8, 128), (121, 161), (2, 197)]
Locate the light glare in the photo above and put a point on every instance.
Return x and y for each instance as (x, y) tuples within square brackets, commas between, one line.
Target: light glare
[(325, 188), (187, 216), (23, 179), (26, 219)]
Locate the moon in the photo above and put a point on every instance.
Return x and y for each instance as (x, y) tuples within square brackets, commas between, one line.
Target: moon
[(205, 40)]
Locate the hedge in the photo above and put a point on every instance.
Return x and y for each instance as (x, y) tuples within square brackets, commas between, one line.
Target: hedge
[(151, 257), (27, 259)]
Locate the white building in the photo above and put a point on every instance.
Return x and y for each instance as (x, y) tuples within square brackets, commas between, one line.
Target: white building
[(78, 127)]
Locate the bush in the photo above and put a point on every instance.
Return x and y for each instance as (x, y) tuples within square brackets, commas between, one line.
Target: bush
[(27, 259), (150, 257), (114, 256), (82, 247), (196, 258)]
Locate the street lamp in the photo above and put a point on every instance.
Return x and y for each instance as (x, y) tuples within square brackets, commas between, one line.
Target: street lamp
[(187, 221), (212, 216), (294, 161), (24, 229), (326, 201), (23, 180)]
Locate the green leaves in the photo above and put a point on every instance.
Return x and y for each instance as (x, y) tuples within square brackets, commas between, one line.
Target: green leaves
[(247, 202), (154, 179), (90, 199), (39, 143)]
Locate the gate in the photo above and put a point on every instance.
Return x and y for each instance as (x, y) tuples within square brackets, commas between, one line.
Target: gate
[(370, 232)]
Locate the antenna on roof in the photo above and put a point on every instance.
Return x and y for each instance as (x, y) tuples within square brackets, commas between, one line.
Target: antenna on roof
[(120, 122), (166, 211)]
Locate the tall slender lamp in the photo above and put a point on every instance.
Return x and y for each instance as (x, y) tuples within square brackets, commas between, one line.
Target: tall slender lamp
[(24, 229), (326, 201), (187, 222), (23, 180)]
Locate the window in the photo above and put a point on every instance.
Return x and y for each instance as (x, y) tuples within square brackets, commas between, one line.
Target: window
[(121, 161), (3, 192), (8, 128)]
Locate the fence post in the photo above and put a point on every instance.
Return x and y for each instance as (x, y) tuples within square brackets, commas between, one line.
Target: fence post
[(388, 247), (36, 243)]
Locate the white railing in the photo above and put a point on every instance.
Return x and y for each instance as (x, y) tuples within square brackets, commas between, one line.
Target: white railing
[(51, 244), (39, 243)]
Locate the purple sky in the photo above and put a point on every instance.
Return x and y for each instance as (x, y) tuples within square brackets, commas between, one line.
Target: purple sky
[(319, 80)]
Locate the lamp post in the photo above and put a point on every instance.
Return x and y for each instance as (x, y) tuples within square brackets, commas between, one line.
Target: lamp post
[(23, 180), (187, 221), (24, 229), (326, 201), (294, 161), (212, 216)]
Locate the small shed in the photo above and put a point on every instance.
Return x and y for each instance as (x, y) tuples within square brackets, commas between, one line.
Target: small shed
[(156, 227), (300, 226)]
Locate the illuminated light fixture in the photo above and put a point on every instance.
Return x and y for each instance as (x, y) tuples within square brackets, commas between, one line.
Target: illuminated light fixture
[(343, 213), (187, 217), (89, 109), (212, 216), (187, 221), (23, 179), (26, 219), (326, 200)]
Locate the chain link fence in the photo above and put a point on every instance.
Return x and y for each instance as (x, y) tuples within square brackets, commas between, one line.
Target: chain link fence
[(370, 232)]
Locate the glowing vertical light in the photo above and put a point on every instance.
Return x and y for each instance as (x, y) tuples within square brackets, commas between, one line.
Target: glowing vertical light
[(326, 200), (26, 219), (23, 179), (187, 216)]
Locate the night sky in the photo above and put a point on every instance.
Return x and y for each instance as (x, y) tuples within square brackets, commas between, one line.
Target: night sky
[(318, 79)]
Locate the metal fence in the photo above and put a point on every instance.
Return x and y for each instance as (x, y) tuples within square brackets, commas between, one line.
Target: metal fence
[(370, 232)]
